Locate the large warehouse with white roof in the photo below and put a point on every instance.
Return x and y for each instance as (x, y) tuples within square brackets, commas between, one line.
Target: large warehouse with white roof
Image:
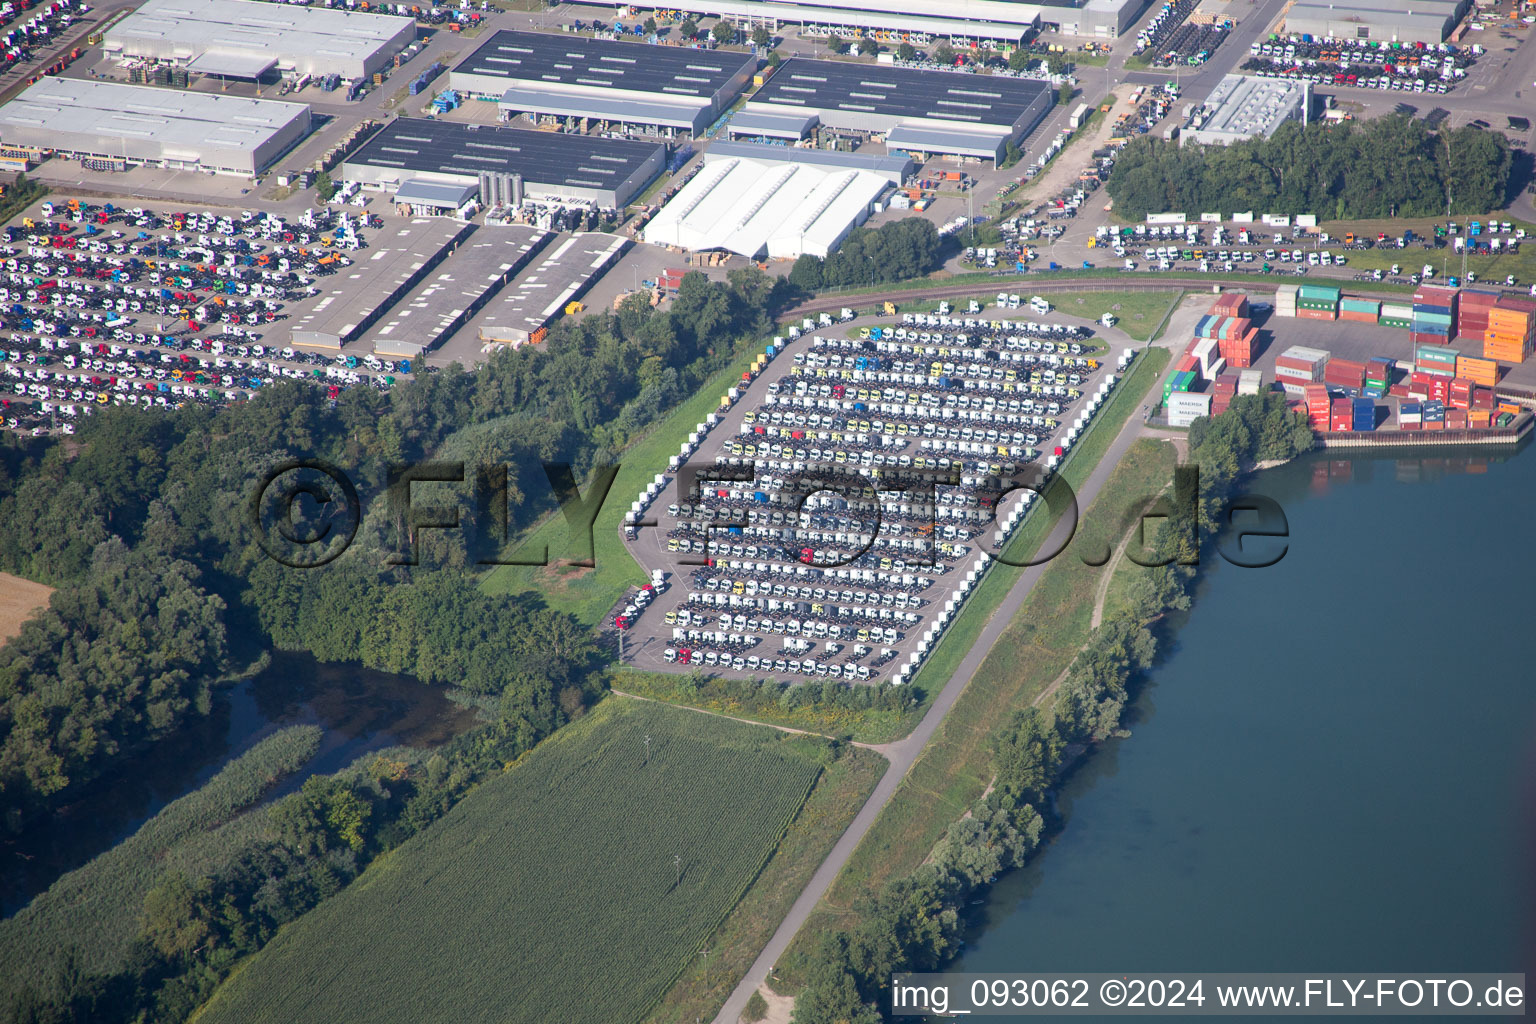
[(921, 112), (757, 200), (250, 39), (113, 124), (1001, 23), (667, 90), (553, 166)]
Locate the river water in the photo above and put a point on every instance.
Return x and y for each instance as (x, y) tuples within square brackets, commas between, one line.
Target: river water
[(358, 709), (1332, 767)]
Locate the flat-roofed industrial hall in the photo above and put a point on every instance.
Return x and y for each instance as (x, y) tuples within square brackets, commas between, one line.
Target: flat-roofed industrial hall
[(669, 90), (114, 124), (922, 112), (250, 39), (556, 166)]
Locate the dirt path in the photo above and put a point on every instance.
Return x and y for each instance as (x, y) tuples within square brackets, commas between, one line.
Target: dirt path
[(19, 599), (749, 721)]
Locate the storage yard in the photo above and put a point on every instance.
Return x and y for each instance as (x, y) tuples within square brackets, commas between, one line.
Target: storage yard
[(1367, 367), (797, 566), (147, 307)]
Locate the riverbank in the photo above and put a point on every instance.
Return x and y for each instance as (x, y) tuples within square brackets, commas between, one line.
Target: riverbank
[(1282, 793)]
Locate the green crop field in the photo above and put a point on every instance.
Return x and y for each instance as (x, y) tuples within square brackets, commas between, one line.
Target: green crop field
[(574, 888)]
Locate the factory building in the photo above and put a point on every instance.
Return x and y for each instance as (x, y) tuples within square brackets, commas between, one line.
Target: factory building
[(548, 167), (1403, 21), (112, 126), (925, 113), (1245, 107), (756, 199), (662, 90), (997, 23), (252, 40)]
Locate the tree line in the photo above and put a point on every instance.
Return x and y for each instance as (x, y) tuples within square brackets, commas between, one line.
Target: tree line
[(898, 250), (1392, 166), (914, 923)]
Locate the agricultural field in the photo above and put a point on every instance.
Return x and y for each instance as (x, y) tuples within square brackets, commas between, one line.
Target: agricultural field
[(19, 599), (574, 887)]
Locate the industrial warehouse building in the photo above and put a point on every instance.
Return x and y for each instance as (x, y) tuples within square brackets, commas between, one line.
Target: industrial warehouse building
[(999, 23), (756, 199), (666, 90), (110, 125), (249, 39), (1245, 107), (1401, 21), (551, 167), (925, 113)]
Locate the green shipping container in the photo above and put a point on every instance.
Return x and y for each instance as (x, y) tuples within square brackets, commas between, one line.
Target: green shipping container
[(1442, 319), (1436, 354), (1361, 306), (1319, 291), (1387, 321)]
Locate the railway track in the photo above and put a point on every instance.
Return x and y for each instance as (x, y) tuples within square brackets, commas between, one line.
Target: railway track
[(1034, 286)]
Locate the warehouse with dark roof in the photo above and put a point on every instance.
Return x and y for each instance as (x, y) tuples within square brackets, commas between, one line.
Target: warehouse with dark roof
[(552, 167), (925, 113), (632, 87)]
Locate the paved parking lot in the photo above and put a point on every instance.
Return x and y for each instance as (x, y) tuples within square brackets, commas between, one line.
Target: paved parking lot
[(837, 588)]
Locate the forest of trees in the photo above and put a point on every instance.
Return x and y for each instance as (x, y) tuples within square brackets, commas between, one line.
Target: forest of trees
[(1385, 167), (914, 923), (120, 658), (898, 250)]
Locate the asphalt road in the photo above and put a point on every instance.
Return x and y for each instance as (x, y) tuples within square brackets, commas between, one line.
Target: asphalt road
[(905, 752)]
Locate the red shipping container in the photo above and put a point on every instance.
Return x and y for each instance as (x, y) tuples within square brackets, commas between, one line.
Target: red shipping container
[(1409, 426), (1398, 390), (1455, 419), (1434, 424), (1186, 364)]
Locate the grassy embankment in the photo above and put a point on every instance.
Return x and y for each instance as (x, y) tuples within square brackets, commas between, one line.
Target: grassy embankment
[(577, 885), (589, 593)]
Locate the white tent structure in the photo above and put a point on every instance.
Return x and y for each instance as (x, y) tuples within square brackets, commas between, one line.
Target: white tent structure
[(757, 205)]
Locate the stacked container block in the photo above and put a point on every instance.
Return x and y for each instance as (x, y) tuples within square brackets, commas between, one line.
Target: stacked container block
[(1301, 363), (1472, 313), (1434, 315), (1285, 299), (1344, 375), (1511, 330), (1378, 376), (1318, 302), (1318, 406)]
